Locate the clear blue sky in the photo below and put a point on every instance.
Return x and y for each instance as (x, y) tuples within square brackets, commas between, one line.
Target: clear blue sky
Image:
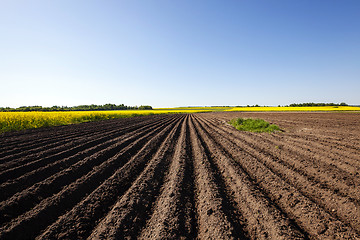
[(179, 53)]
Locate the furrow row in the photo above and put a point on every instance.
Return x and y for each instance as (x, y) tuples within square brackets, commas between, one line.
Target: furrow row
[(299, 199), (27, 198), (128, 215), (183, 177), (49, 209), (94, 153), (261, 218), (37, 137), (173, 216), (38, 162), (315, 168), (45, 149)]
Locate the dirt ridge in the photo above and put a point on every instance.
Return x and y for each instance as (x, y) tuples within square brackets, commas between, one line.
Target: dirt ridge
[(184, 176)]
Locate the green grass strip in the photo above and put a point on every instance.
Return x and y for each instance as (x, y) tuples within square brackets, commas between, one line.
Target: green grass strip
[(253, 125)]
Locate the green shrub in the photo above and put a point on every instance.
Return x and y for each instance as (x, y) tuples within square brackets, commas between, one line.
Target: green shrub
[(253, 125)]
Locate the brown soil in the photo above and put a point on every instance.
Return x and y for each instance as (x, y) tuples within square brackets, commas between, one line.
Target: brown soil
[(184, 177)]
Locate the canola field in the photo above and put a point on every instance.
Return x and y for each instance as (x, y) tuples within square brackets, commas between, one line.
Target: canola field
[(294, 109), (15, 121)]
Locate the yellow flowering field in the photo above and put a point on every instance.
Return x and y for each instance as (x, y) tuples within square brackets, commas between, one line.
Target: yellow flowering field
[(197, 108), (10, 121), (294, 109), (13, 121)]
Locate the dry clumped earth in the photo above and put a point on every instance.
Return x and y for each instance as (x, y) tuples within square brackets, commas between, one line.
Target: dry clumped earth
[(184, 177)]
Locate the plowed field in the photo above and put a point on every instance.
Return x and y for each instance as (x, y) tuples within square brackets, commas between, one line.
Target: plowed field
[(184, 177)]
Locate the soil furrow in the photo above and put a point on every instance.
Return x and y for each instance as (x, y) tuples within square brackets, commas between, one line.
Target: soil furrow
[(33, 146), (328, 173), (61, 165), (306, 213), (303, 125), (299, 144), (171, 218), (48, 210), (341, 207), (11, 140), (263, 220), (46, 150), (34, 161), (212, 221), (333, 148), (184, 177), (128, 216), (347, 165), (310, 166), (84, 217), (29, 197), (335, 144)]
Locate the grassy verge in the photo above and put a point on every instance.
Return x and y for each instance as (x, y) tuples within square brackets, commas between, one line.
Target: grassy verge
[(253, 125)]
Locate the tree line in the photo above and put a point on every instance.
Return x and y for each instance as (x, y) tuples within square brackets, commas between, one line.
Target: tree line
[(91, 107), (311, 104)]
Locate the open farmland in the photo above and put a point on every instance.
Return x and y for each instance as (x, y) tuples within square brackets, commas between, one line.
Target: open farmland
[(15, 121), (184, 176), (295, 109), (19, 120)]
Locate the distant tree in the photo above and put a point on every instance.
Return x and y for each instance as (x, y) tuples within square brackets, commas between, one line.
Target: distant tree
[(316, 104), (91, 107), (145, 107)]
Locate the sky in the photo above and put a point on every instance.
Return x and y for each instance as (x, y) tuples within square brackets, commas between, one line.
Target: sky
[(179, 53)]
